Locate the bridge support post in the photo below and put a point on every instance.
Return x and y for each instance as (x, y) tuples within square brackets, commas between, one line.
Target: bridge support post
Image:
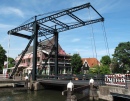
[(56, 53), (70, 96), (35, 42), (35, 86), (93, 93)]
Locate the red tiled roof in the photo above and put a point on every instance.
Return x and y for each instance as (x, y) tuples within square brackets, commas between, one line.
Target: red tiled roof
[(62, 52), (91, 61)]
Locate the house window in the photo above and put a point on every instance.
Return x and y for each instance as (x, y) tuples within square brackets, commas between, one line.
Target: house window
[(28, 60), (23, 61), (38, 59)]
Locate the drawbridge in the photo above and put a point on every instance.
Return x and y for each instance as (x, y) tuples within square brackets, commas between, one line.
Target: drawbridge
[(41, 27)]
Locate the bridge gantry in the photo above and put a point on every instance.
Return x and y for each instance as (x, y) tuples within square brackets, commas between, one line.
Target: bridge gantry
[(39, 28)]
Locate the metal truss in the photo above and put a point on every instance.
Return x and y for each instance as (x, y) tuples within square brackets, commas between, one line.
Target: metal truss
[(53, 18), (39, 28)]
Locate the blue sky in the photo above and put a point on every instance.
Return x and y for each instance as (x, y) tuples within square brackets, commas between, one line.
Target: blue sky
[(115, 12)]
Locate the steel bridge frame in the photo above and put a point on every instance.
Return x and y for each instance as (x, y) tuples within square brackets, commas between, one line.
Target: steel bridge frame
[(38, 28)]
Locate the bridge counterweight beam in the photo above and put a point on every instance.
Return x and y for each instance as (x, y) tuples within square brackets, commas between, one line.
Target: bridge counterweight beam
[(21, 35)]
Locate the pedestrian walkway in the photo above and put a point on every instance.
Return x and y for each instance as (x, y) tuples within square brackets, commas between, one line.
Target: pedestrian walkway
[(6, 77)]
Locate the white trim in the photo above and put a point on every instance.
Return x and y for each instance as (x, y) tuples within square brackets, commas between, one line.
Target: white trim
[(45, 51)]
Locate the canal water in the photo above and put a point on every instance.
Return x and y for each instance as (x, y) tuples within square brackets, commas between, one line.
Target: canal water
[(42, 95)]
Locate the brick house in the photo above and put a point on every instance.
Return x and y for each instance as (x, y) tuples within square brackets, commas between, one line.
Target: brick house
[(43, 51), (89, 63)]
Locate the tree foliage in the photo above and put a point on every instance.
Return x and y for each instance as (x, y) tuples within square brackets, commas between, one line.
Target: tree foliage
[(105, 60), (2, 56), (11, 62), (103, 69), (94, 70), (76, 63), (115, 66), (122, 55)]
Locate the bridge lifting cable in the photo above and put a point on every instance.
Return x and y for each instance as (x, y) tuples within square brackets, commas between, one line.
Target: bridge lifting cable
[(8, 51), (105, 39), (93, 37)]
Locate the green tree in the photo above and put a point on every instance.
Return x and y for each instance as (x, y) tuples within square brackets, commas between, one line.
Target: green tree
[(115, 66), (122, 55), (103, 69), (11, 62), (2, 57), (76, 63), (94, 70), (105, 60)]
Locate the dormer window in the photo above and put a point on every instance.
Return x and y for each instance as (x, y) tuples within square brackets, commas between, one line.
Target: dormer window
[(85, 64)]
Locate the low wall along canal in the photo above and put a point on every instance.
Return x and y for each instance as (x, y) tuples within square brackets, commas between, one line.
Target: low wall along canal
[(36, 90)]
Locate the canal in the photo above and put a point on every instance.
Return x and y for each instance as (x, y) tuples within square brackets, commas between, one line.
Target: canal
[(42, 95)]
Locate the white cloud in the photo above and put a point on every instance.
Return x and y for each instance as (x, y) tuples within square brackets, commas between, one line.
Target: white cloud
[(109, 6), (6, 26), (75, 40), (11, 10)]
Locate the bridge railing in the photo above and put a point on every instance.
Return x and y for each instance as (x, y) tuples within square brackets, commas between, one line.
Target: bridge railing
[(117, 79), (97, 78)]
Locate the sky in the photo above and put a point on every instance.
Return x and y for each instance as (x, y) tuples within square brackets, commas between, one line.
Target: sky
[(94, 40)]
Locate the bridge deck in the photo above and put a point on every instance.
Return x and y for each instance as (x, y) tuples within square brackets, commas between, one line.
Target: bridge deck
[(65, 82)]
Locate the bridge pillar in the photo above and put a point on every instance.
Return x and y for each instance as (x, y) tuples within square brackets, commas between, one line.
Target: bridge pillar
[(56, 53), (70, 96), (93, 91), (35, 43), (35, 86)]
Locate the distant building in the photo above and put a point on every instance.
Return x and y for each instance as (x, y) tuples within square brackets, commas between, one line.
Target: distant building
[(89, 63), (5, 67), (43, 51)]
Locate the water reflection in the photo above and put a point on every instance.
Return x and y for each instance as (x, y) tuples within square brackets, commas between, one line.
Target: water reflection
[(43, 95)]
